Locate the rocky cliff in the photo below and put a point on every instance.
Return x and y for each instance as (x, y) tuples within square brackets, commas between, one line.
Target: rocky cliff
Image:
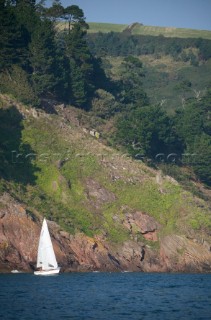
[(105, 210), (19, 236)]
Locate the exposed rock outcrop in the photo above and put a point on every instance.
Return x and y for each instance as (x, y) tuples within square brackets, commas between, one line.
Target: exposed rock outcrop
[(143, 223), (97, 194), (184, 254), (19, 235)]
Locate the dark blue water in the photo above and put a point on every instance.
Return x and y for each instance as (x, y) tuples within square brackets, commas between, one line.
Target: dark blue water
[(107, 296)]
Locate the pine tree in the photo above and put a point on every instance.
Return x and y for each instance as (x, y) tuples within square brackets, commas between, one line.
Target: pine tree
[(150, 129), (201, 150), (73, 14), (43, 58), (77, 85), (131, 84), (81, 66), (11, 40)]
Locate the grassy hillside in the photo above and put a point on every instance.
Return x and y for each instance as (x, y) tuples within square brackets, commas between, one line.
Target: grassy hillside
[(85, 186), (163, 76), (95, 27), (170, 32), (105, 27), (139, 29)]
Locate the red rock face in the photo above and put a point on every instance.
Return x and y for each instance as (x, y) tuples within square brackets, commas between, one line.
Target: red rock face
[(151, 236), (184, 254), (143, 223), (19, 236)]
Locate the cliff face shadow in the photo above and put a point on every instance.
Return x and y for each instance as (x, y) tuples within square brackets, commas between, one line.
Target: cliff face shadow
[(15, 156)]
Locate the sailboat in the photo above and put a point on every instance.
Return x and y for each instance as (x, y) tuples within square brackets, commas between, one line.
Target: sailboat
[(46, 260)]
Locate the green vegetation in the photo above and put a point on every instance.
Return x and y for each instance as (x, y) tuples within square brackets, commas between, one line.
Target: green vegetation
[(95, 27), (123, 44), (170, 32), (164, 79), (45, 62), (139, 29), (58, 188), (148, 96)]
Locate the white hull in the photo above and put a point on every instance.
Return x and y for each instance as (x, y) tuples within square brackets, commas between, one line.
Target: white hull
[(47, 272), (15, 271)]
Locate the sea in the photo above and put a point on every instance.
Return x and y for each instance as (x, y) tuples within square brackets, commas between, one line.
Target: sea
[(105, 296)]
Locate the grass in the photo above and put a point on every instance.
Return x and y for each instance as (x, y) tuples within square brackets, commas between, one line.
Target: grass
[(171, 32), (162, 76), (95, 27), (138, 29), (147, 198), (59, 192)]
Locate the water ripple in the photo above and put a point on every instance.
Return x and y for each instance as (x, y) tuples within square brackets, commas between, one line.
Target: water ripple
[(105, 296)]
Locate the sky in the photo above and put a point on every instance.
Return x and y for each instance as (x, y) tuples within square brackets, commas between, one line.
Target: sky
[(193, 14)]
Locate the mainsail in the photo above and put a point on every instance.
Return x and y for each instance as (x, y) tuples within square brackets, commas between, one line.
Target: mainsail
[(46, 258)]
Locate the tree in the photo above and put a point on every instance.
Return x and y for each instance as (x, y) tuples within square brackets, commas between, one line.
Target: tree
[(104, 104), (189, 122), (28, 20), (11, 37), (77, 85), (131, 74), (25, 11), (40, 8), (73, 14), (148, 131), (81, 66), (55, 12), (43, 58), (205, 105), (193, 125), (18, 84), (202, 152)]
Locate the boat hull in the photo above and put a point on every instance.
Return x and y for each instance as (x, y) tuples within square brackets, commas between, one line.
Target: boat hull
[(47, 272), (15, 271)]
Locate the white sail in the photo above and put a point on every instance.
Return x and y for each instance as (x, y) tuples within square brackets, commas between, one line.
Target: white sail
[(46, 258)]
